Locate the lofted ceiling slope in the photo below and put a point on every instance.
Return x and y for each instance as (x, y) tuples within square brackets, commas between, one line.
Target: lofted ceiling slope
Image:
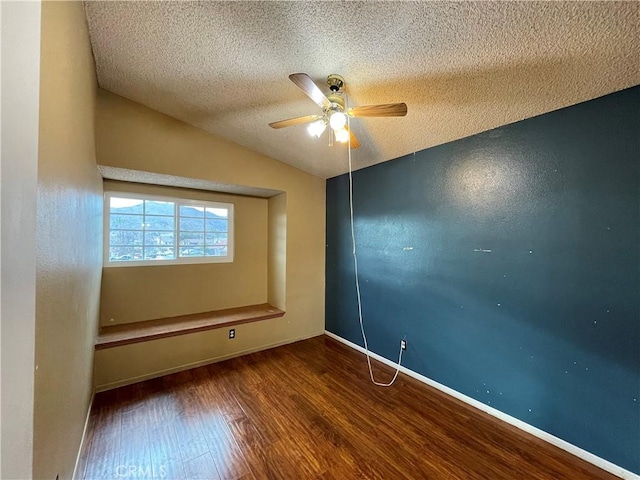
[(461, 67)]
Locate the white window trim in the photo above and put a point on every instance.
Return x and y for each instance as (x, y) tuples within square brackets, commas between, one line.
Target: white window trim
[(177, 202)]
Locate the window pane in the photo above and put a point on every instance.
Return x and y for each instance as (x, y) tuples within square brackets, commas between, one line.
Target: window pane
[(216, 225), (133, 222), (216, 251), (191, 251), (125, 254), (153, 207), (125, 205), (188, 239), (158, 223), (217, 213), (158, 238), (146, 229), (125, 237), (212, 239), (191, 224), (191, 211), (159, 253)]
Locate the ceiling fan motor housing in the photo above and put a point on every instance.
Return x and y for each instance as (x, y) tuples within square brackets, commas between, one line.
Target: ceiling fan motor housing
[(337, 102)]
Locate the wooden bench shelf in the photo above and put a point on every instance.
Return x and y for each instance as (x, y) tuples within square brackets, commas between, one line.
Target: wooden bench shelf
[(127, 333)]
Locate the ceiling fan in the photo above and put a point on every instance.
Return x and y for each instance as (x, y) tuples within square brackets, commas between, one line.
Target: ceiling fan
[(334, 110)]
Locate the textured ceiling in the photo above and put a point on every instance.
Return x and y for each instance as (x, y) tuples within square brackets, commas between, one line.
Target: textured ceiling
[(462, 68)]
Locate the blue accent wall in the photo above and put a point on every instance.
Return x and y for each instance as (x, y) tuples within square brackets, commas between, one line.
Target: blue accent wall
[(511, 262)]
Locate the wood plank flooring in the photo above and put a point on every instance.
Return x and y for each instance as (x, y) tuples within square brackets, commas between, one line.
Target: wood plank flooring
[(306, 411)]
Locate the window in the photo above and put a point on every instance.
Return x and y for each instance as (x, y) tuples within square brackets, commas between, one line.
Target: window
[(150, 230)]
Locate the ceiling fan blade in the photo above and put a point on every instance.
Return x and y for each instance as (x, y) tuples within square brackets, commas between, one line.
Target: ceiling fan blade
[(385, 110), (354, 143), (295, 121), (304, 82)]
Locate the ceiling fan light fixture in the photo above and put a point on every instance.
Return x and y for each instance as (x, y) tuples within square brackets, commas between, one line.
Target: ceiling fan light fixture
[(342, 135), (316, 128), (337, 120), (335, 111)]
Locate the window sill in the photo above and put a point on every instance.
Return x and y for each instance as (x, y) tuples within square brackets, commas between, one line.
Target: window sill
[(128, 333)]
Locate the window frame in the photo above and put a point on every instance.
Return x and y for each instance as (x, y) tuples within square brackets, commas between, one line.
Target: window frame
[(178, 202)]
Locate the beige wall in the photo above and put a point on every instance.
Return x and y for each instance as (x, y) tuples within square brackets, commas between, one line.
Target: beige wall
[(133, 294), (69, 240), (20, 42), (277, 265), (131, 136)]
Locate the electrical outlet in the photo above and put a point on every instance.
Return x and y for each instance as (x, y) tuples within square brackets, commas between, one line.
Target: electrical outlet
[(232, 333), (403, 344)]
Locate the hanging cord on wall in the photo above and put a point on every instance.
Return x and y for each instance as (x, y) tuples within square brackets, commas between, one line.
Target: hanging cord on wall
[(355, 265)]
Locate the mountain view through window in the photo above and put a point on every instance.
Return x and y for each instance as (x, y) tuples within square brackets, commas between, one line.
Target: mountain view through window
[(143, 230)]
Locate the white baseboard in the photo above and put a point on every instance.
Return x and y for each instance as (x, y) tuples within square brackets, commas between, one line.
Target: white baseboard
[(553, 440), (84, 435), (200, 363)]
